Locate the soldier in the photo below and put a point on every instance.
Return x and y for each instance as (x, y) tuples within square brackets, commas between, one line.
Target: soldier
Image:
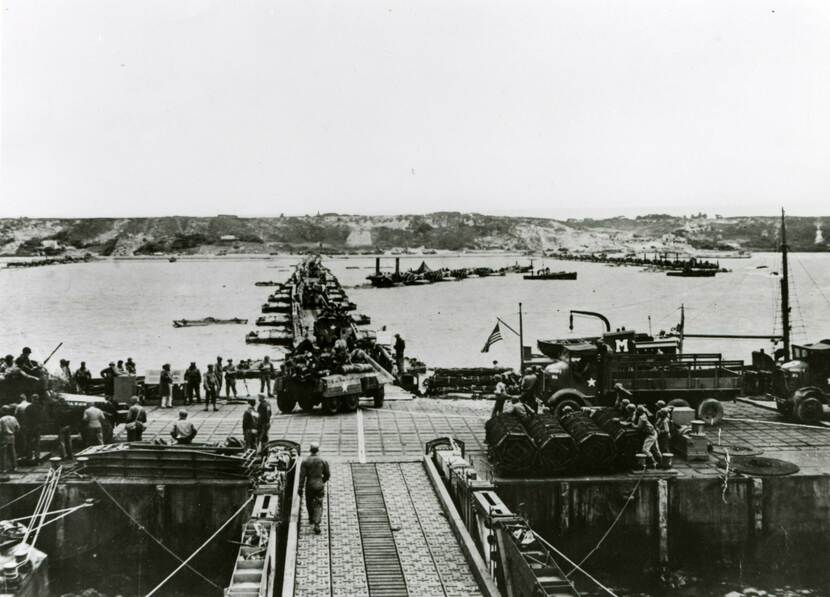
[(264, 424), (166, 386), (217, 371), (9, 428), (82, 378), (517, 408), (230, 379), (314, 474), (250, 425), (500, 392), (130, 366), (649, 437), (400, 347), (136, 420), (93, 422), (266, 369), (65, 418), (211, 387), (34, 420), (183, 430), (661, 422), (192, 380), (528, 388)]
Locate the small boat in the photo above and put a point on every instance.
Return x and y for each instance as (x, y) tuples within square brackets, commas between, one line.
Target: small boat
[(277, 337), (267, 283), (188, 323), (762, 267), (172, 260), (545, 274), (693, 273)]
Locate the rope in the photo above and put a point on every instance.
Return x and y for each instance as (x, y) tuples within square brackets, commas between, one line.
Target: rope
[(572, 563), (610, 528), (146, 532), (20, 497), (47, 514), (813, 280), (202, 546)]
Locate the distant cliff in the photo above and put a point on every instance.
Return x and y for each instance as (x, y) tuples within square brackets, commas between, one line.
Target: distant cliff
[(450, 231)]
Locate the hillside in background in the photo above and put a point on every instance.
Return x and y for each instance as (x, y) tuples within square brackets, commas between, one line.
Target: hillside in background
[(443, 231)]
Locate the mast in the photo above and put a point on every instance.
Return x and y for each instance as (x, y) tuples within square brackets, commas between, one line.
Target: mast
[(785, 289), (521, 343)]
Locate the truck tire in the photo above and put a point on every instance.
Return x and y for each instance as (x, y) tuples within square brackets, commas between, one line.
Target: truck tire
[(710, 411), (557, 405), (379, 396), (306, 403), (678, 403), (286, 402), (331, 405), (350, 403), (808, 409)]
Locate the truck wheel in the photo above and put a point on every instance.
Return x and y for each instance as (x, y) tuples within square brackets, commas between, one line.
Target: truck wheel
[(331, 405), (286, 402), (306, 403), (558, 405), (678, 403), (808, 409), (710, 411), (379, 396), (350, 403)]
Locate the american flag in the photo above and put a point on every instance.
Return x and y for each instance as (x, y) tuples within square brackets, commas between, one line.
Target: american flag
[(494, 337)]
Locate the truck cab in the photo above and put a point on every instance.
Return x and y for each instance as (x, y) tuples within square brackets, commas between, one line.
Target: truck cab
[(806, 382)]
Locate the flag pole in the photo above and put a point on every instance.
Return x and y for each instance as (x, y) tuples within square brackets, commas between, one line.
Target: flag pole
[(521, 343)]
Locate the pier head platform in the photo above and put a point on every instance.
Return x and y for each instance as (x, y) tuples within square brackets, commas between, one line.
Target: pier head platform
[(391, 528)]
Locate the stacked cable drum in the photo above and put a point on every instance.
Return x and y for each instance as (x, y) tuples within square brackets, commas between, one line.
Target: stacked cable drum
[(512, 448), (627, 440), (556, 449), (594, 446)]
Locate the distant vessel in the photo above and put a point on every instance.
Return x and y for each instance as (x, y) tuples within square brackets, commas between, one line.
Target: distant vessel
[(187, 323), (172, 260), (693, 273), (279, 337), (546, 274)]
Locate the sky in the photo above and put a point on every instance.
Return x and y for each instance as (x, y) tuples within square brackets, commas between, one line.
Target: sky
[(551, 108)]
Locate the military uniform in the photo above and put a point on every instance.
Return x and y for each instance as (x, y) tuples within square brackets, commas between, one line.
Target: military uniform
[(314, 474)]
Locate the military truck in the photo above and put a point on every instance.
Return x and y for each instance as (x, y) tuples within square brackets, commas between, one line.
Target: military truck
[(801, 386), (597, 372), (310, 380)]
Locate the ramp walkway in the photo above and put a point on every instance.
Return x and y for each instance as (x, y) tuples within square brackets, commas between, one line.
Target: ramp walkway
[(384, 535)]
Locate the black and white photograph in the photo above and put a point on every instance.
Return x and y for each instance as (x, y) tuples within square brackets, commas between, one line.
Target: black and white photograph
[(414, 298)]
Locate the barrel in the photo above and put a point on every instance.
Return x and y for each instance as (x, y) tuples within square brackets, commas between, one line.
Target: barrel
[(594, 446), (627, 440), (557, 450), (512, 448)]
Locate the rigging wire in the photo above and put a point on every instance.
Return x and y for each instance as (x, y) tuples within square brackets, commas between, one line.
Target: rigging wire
[(143, 529), (202, 546), (570, 561), (610, 528)]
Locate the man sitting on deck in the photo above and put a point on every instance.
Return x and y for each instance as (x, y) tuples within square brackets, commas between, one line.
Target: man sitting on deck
[(183, 430)]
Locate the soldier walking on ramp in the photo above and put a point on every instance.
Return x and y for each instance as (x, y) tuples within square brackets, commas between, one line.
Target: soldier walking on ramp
[(314, 474)]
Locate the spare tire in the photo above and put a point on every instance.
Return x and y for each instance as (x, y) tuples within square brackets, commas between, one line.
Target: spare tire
[(710, 411), (808, 409), (331, 405)]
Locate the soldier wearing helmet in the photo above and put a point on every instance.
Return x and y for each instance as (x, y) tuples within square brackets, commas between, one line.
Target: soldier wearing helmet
[(314, 474)]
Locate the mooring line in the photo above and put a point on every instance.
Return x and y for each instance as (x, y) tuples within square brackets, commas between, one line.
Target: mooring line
[(572, 563)]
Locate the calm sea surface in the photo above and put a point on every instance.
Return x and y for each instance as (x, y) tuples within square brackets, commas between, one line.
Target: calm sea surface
[(113, 309)]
